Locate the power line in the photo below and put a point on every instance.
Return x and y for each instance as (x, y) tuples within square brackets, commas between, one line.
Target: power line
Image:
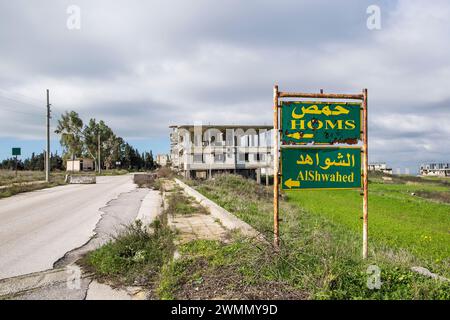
[(25, 96), (7, 109)]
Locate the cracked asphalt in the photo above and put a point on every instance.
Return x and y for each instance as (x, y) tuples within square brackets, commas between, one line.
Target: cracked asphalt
[(38, 229)]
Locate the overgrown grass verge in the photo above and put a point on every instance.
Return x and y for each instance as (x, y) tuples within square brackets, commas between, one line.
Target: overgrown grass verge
[(134, 257), (180, 204), (319, 256), (21, 188)]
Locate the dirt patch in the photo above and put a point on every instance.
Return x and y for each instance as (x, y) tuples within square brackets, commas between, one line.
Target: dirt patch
[(443, 196), (225, 283)]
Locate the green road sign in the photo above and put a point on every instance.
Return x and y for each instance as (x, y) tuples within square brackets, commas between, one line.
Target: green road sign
[(320, 168), (16, 151), (320, 122)]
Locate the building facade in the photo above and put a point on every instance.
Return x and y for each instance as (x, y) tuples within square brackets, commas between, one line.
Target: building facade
[(162, 160), (380, 167), (435, 169), (204, 151)]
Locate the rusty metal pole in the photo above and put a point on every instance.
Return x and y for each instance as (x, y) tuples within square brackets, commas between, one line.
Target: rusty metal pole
[(276, 235), (366, 178)]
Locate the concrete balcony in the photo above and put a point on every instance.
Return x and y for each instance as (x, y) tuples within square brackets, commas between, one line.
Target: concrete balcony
[(225, 166)]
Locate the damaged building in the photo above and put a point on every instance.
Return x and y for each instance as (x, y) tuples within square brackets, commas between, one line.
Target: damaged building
[(202, 151)]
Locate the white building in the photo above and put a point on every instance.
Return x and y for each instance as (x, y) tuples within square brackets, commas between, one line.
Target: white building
[(162, 160), (380, 167), (81, 164), (435, 169), (203, 151)]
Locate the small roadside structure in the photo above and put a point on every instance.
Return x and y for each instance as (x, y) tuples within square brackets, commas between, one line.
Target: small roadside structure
[(80, 164)]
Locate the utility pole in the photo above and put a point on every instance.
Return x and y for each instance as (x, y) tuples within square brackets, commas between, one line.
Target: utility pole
[(99, 156), (47, 158)]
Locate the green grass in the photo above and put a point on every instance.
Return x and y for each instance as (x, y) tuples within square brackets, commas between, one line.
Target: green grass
[(180, 204), (135, 257), (321, 239), (396, 218)]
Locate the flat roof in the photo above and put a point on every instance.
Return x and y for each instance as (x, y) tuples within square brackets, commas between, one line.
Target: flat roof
[(222, 126), (78, 159)]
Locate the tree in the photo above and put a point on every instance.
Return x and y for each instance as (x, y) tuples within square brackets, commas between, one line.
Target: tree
[(69, 127), (109, 143), (79, 140), (149, 163)]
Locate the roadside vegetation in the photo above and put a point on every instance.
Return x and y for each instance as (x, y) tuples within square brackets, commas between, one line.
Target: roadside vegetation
[(26, 181), (16, 189), (134, 257), (153, 180), (8, 177)]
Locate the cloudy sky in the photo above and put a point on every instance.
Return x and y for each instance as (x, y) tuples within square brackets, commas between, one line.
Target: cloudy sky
[(143, 65)]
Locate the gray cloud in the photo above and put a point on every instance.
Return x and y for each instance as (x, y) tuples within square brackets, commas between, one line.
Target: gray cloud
[(141, 66)]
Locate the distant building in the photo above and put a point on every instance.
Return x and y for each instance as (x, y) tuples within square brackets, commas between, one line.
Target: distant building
[(204, 151), (80, 164), (380, 167), (435, 169), (162, 160)]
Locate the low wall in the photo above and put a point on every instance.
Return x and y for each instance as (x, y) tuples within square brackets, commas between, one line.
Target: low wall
[(82, 179)]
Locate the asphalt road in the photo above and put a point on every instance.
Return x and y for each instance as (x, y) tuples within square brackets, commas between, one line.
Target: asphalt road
[(38, 228)]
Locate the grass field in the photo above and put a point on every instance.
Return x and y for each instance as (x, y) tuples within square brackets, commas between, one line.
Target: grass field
[(321, 237), (397, 217)]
